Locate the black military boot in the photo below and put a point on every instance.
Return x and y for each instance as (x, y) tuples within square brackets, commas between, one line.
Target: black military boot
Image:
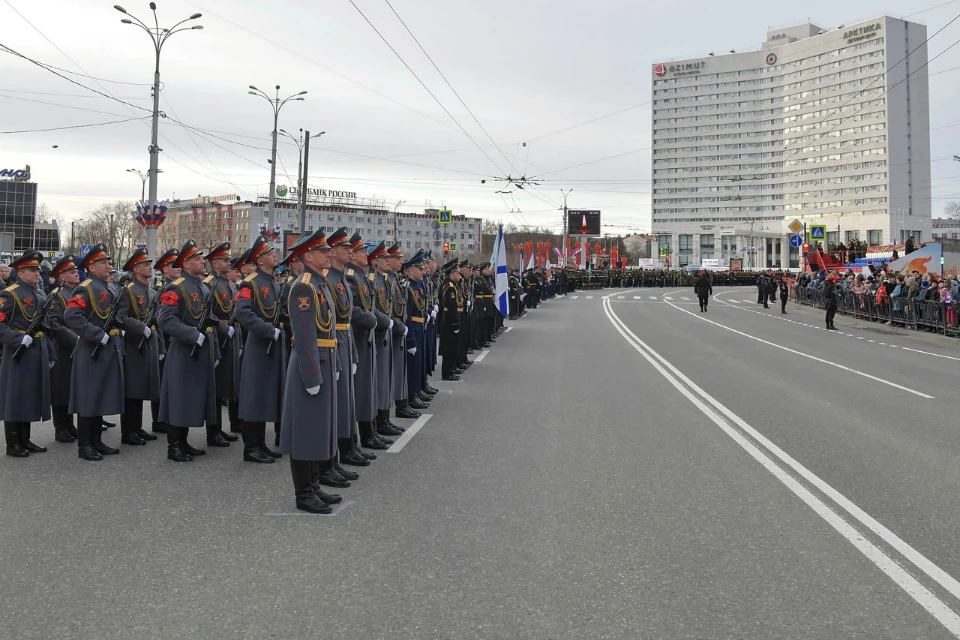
[(424, 397), (329, 498), (345, 445), (189, 450), (329, 476), (215, 437), (430, 390), (368, 439), (12, 432), (414, 403), (96, 433), (175, 450), (263, 443), (62, 425), (404, 410), (85, 448), (25, 439), (383, 426), (251, 439), (307, 499)]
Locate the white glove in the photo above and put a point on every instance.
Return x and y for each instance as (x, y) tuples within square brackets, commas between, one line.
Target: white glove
[(405, 329), (104, 340), (390, 326), (412, 350), (146, 332), (433, 314), (240, 353), (469, 304), (230, 332), (436, 310), (27, 341), (338, 375), (51, 364), (456, 330), (161, 357), (216, 363), (353, 369), (276, 334), (314, 390), (200, 340)]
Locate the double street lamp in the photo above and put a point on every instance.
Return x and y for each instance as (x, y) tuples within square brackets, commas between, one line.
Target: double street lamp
[(158, 36), (301, 175), (276, 104)]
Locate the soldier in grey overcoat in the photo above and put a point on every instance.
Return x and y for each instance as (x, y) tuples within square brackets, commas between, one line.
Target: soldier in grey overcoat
[(346, 350), (26, 362), (259, 303), (228, 370), (234, 275), (188, 394), (308, 426), (398, 295), (96, 380), (64, 341), (137, 314), (382, 307), (364, 323), (168, 273)]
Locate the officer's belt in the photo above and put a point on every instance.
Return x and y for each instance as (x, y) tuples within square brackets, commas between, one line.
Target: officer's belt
[(114, 332), (38, 334), (416, 319), (323, 342), (343, 326), (460, 309)]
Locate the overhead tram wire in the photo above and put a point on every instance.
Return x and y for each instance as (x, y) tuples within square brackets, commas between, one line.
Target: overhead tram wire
[(75, 126)]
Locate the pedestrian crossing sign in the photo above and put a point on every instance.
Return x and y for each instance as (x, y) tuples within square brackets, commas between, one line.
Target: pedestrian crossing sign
[(445, 216), (453, 246), (818, 232)]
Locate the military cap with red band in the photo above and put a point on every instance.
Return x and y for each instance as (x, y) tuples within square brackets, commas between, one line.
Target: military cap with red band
[(356, 241), (189, 250), (375, 250), (30, 258), (64, 264), (97, 252), (339, 238), (220, 252), (317, 240), (137, 257), (166, 259), (394, 251), (261, 246)]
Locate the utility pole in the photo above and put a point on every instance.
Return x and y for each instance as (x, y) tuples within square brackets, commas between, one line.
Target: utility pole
[(158, 37), (564, 231), (395, 235), (303, 186)]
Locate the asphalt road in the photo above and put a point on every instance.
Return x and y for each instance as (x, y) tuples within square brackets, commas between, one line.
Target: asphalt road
[(616, 468)]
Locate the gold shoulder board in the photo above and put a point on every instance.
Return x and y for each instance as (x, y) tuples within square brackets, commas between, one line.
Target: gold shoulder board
[(177, 282), (130, 286), (371, 277), (349, 272), (305, 278), (208, 280), (325, 272), (85, 283), (251, 277)]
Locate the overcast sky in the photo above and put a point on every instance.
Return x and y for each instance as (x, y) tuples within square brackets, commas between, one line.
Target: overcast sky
[(525, 68)]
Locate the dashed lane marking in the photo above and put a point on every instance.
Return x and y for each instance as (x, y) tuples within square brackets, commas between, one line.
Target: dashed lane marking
[(483, 354), (411, 431)]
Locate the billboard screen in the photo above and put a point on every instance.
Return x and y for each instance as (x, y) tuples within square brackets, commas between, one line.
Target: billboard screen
[(582, 222)]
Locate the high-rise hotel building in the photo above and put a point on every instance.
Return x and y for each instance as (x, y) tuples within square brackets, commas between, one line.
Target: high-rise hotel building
[(825, 126)]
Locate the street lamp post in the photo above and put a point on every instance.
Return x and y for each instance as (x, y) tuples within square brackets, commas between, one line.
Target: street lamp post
[(158, 37), (564, 230), (395, 207), (143, 187), (276, 104), (301, 176)]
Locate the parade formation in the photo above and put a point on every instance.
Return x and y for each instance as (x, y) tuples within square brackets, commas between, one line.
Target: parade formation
[(349, 333)]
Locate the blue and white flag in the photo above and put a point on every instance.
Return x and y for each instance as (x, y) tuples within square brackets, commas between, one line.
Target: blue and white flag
[(501, 285)]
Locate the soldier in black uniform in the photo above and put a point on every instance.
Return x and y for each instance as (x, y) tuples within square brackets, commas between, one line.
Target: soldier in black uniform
[(168, 273), (68, 277), (96, 382), (451, 300), (137, 308), (24, 378), (228, 369), (783, 295)]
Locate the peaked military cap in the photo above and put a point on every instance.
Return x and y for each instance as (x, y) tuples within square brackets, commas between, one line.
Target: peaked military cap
[(137, 257), (375, 250), (415, 261), (451, 266), (189, 250), (221, 251), (261, 246), (316, 240), (338, 238), (97, 252), (237, 263), (356, 241), (64, 264), (166, 259), (394, 250), (30, 258), (428, 256), (464, 263)]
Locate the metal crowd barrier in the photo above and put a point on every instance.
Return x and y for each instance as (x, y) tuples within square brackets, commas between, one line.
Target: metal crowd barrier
[(936, 317)]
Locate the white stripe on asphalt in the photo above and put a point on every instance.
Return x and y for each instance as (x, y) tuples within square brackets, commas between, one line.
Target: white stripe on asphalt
[(805, 355), (508, 329), (667, 298), (927, 599), (685, 298), (652, 297), (483, 354), (734, 301), (620, 297), (589, 297), (411, 431), (574, 297)]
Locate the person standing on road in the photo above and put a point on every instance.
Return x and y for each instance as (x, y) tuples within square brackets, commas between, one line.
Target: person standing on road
[(704, 289), (168, 273), (830, 300), (66, 273), (783, 295)]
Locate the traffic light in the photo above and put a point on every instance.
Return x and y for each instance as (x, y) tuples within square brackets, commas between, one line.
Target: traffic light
[(806, 247), (446, 247)]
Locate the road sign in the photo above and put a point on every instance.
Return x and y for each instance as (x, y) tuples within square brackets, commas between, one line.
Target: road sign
[(445, 216), (84, 248), (818, 232), (796, 226), (796, 241), (453, 246)]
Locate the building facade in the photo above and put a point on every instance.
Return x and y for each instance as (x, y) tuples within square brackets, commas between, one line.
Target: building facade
[(828, 127), (18, 211), (210, 220)]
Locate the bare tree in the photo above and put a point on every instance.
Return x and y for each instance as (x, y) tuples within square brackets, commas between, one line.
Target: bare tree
[(952, 210), (112, 224)]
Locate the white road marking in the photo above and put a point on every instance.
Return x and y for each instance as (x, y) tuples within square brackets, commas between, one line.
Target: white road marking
[(620, 297), (589, 297), (411, 431), (574, 297), (733, 301), (685, 298), (805, 355), (652, 297), (700, 398), (508, 329), (483, 354), (667, 298)]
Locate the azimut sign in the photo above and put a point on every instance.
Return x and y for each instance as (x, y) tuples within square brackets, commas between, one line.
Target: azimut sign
[(681, 69), (15, 174)]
